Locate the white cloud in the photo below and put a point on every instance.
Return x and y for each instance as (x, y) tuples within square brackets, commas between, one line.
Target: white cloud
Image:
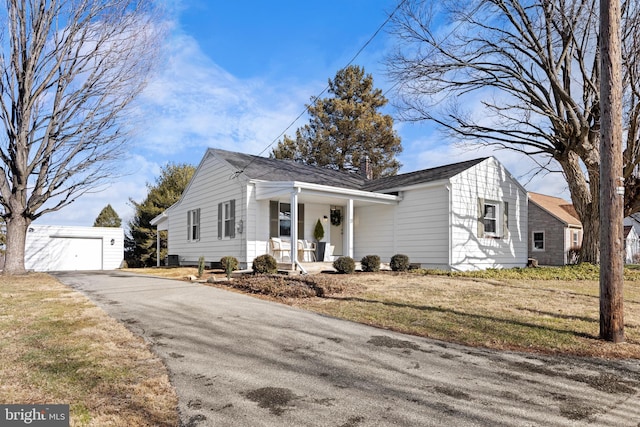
[(193, 103)]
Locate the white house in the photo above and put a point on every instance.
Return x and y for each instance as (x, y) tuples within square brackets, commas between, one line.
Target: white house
[(631, 245), (465, 216), (63, 248)]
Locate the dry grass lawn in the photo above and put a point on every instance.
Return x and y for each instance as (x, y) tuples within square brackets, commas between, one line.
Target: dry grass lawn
[(59, 348), (547, 315)]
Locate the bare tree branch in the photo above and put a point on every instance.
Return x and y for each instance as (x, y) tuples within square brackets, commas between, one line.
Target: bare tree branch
[(69, 70)]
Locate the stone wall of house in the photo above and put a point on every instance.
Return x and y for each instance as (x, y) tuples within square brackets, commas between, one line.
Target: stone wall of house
[(554, 252)]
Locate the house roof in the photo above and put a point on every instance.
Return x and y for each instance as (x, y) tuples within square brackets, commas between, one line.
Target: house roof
[(420, 177), (557, 207), (262, 168)]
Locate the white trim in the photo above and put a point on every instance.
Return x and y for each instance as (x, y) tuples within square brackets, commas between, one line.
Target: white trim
[(533, 241), (269, 189)]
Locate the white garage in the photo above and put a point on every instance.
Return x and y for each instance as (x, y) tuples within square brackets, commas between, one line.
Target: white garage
[(62, 248)]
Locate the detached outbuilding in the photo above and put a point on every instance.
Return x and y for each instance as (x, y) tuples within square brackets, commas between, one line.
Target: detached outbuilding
[(65, 248)]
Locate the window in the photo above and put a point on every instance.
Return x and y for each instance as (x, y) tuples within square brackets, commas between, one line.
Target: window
[(493, 219), (193, 225), (280, 219), (284, 219), (538, 240), (490, 219), (575, 241), (227, 220)]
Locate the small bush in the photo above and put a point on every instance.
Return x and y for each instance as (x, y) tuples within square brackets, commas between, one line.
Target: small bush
[(229, 265), (200, 266), (345, 265), (370, 263), (265, 264), (399, 262)]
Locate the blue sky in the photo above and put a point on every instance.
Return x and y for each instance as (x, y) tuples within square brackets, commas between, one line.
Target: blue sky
[(235, 74)]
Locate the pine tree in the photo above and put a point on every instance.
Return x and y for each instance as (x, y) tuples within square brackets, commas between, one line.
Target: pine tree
[(346, 128), (140, 243), (108, 218)]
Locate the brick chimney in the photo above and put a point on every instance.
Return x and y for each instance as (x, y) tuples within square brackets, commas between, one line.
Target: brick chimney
[(365, 168)]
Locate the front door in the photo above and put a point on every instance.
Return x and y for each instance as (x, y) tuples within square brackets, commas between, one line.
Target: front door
[(337, 230)]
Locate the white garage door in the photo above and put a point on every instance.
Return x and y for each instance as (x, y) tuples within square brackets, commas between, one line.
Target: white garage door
[(70, 253)]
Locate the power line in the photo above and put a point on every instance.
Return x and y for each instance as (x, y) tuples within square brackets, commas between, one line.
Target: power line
[(306, 109)]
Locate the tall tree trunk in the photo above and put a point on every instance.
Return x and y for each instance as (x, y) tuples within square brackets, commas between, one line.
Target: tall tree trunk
[(590, 250), (16, 238), (585, 196)]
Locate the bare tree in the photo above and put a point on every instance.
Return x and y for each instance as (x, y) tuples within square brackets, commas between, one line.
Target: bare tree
[(69, 70), (530, 72)]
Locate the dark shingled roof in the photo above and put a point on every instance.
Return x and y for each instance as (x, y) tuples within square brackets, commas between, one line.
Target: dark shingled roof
[(256, 167), (420, 177)]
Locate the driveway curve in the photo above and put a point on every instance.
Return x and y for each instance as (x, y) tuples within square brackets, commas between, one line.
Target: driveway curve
[(240, 361)]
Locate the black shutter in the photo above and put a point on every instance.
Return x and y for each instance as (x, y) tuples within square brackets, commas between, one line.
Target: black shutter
[(505, 221), (480, 217), (232, 218), (301, 221), (219, 220), (274, 223), (188, 226), (197, 236)]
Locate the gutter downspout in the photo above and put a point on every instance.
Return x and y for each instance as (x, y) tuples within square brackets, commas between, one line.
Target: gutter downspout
[(157, 247), (450, 225), (302, 270)]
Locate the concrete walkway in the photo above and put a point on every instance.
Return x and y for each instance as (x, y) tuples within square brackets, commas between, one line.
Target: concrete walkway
[(241, 361)]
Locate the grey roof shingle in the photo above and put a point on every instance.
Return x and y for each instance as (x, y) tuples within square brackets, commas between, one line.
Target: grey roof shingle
[(420, 177), (256, 167)]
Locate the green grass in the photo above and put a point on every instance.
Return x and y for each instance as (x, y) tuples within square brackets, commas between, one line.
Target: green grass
[(57, 347)]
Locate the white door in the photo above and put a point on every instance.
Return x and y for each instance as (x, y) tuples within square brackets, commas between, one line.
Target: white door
[(69, 253), (337, 231)]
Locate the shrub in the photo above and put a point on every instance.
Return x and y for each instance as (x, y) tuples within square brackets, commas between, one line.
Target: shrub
[(229, 264), (370, 263), (200, 266), (318, 231), (399, 262), (345, 265), (265, 264)]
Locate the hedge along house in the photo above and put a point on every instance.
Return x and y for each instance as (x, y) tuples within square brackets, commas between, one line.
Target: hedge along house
[(64, 248), (465, 216)]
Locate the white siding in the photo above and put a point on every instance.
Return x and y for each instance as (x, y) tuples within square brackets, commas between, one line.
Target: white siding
[(213, 182), (490, 181), (52, 248), (416, 227)]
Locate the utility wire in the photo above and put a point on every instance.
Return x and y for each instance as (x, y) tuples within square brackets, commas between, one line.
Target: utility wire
[(315, 98)]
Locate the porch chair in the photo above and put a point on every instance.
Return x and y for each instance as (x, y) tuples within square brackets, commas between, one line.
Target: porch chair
[(278, 249), (305, 247)]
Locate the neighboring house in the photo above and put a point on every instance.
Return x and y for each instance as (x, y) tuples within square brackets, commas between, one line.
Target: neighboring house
[(555, 232), (465, 216), (631, 245), (60, 248)]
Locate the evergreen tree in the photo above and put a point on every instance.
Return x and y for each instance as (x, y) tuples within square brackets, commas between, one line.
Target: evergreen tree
[(346, 128), (140, 243), (107, 218)]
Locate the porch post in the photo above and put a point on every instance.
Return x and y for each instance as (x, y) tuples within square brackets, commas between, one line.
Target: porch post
[(294, 228), (157, 248), (350, 228)]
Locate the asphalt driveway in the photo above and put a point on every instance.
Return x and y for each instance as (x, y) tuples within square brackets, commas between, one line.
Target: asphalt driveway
[(241, 361)]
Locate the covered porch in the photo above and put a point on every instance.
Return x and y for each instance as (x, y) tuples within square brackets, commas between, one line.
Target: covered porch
[(334, 207)]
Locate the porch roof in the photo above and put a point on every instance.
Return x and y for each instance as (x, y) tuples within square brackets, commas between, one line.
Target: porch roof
[(310, 192)]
